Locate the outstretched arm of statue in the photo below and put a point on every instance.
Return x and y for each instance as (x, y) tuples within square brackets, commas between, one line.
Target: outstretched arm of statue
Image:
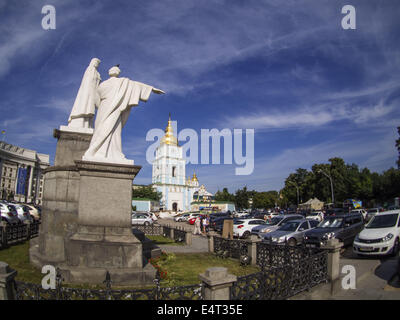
[(158, 91)]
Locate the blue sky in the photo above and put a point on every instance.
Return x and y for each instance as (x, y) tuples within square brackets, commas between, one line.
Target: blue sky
[(310, 89)]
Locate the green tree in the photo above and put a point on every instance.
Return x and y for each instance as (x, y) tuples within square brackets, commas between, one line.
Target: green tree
[(146, 192)]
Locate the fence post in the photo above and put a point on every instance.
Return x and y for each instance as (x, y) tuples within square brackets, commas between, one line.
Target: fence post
[(7, 275), (211, 235), (188, 238), (217, 283), (4, 240), (333, 246), (252, 248), (172, 233), (28, 230)]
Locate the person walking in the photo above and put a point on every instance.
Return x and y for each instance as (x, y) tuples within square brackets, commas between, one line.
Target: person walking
[(205, 224), (197, 223)]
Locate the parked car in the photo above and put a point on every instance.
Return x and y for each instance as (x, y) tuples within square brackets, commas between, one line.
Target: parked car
[(242, 228), (9, 214), (335, 212), (292, 231), (23, 213), (273, 224), (34, 211), (182, 217), (142, 219), (316, 215), (372, 212), (362, 211), (218, 224), (240, 214), (343, 227), (193, 215), (380, 236)]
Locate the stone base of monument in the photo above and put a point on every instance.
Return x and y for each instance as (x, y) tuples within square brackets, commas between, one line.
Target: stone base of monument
[(93, 251), (86, 225)]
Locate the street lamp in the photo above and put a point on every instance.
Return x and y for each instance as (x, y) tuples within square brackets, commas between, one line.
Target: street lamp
[(297, 189), (330, 178)]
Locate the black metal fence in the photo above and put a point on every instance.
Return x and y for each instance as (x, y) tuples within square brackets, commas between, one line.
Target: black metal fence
[(229, 248), (30, 291), (150, 230), (282, 282), (178, 235), (285, 270), (13, 234)]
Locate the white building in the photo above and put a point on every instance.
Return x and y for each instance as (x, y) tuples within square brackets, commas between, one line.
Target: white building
[(21, 176), (169, 174)]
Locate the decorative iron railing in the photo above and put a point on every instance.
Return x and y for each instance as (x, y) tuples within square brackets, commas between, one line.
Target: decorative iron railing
[(179, 235), (30, 291), (230, 247), (151, 230), (276, 255), (12, 234), (282, 282)]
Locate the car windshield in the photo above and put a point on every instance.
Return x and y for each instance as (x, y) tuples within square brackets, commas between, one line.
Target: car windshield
[(290, 226), (274, 221), (238, 222), (384, 221), (331, 223)]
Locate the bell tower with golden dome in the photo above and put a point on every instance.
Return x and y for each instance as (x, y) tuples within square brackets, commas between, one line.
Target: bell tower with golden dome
[(169, 173)]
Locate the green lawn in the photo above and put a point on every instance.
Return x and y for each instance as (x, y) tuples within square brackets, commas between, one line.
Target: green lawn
[(182, 268), (164, 240)]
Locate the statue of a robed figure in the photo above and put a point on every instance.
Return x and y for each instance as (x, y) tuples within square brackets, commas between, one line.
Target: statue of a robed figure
[(114, 99), (86, 227)]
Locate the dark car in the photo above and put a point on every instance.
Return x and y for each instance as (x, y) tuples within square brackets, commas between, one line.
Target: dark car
[(218, 224), (335, 211), (343, 227)]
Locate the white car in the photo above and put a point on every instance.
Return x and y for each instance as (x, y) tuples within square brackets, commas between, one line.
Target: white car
[(362, 211), (23, 213), (141, 218), (182, 217), (380, 236), (240, 214), (242, 228), (317, 215)]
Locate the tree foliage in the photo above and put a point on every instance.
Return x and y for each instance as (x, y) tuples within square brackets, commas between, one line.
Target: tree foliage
[(146, 192)]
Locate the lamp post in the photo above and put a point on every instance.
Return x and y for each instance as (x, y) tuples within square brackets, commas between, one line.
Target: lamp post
[(330, 178), (297, 189)]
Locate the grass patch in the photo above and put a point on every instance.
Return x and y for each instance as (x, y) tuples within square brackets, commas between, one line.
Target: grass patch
[(165, 240), (184, 268), (17, 257)]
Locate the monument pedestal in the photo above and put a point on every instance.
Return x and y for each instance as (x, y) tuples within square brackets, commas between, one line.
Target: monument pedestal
[(104, 240), (86, 219)]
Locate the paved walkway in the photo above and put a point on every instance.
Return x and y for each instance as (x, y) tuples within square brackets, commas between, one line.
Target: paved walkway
[(199, 242)]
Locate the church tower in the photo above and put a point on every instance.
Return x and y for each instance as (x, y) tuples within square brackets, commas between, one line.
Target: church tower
[(169, 173)]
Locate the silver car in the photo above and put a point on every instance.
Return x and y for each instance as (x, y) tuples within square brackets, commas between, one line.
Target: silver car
[(292, 231), (274, 223), (9, 213)]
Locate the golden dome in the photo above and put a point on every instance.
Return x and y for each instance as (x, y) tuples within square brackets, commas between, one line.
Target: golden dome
[(195, 177), (169, 137)]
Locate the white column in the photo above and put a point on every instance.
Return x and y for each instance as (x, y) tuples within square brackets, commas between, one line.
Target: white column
[(29, 196), (16, 181)]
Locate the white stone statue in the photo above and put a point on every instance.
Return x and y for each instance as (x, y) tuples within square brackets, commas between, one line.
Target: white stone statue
[(117, 96), (82, 113)]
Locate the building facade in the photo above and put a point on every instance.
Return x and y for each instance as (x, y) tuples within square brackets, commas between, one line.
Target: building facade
[(169, 174), (21, 177)]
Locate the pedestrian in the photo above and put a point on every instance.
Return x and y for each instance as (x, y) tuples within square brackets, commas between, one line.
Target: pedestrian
[(197, 223), (205, 224)]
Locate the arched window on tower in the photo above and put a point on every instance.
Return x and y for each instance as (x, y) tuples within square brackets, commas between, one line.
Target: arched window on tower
[(173, 171)]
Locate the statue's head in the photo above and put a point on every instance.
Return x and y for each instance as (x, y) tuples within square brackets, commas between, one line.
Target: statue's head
[(114, 71), (95, 62)]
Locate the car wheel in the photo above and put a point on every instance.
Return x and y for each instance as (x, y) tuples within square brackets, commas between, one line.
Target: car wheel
[(395, 250), (146, 223), (292, 242), (246, 234)]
